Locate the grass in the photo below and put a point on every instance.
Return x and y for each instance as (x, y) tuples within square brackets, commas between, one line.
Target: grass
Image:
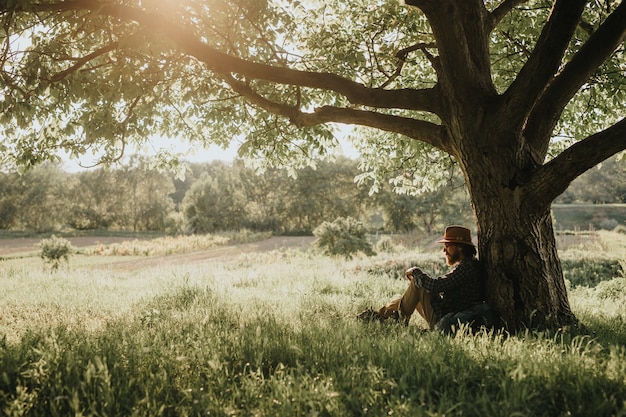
[(273, 334)]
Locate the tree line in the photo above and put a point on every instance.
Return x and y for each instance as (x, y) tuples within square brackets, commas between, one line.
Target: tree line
[(218, 196), (606, 184), (215, 197)]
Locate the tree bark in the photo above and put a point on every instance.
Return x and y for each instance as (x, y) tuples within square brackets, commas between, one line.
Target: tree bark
[(516, 241), (525, 280)]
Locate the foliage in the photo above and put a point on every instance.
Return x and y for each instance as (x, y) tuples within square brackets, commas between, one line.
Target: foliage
[(131, 68), (590, 272), (604, 184), (345, 236), (55, 251), (214, 196)]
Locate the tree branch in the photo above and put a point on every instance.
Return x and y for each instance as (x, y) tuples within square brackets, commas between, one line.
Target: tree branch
[(427, 132), (82, 61), (585, 62), (552, 179), (544, 62), (502, 10), (430, 133), (222, 63), (402, 54), (463, 48)]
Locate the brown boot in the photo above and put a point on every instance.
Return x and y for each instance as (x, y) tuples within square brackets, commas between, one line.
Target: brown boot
[(368, 315)]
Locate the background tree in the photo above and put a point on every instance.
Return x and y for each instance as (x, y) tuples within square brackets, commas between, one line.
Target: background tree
[(9, 200), (42, 199), (145, 193), (95, 198), (321, 193), (604, 184), (264, 197), (486, 84), (214, 204)]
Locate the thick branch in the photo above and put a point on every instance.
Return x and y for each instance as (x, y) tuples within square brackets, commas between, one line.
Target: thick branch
[(545, 60), (427, 132), (553, 178), (222, 63), (502, 10), (420, 130), (587, 60), (463, 47), (84, 60)]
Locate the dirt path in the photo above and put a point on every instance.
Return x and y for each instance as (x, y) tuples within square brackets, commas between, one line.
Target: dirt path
[(224, 252), (28, 245)]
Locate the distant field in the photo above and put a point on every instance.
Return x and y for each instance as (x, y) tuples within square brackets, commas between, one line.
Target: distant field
[(589, 216)]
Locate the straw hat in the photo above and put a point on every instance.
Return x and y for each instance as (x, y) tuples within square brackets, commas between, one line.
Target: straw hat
[(457, 234)]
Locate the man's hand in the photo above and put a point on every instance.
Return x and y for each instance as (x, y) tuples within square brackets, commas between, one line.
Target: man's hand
[(411, 272)]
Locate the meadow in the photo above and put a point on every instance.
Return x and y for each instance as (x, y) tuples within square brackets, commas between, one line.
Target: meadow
[(274, 334)]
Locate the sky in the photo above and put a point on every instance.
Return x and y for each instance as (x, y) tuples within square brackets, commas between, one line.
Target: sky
[(213, 153)]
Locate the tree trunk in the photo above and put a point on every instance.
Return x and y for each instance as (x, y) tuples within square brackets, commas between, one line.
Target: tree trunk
[(517, 245), (525, 280)]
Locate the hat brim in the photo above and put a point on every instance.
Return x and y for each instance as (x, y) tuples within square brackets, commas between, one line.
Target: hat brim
[(461, 242)]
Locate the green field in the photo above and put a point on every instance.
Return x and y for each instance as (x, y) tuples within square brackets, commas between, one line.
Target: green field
[(273, 334), (589, 216)]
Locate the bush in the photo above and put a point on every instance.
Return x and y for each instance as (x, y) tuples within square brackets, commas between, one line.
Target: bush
[(608, 224), (385, 244), (55, 250), (589, 272), (612, 290), (343, 237)]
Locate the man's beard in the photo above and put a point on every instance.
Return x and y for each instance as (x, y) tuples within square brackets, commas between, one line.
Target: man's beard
[(452, 259)]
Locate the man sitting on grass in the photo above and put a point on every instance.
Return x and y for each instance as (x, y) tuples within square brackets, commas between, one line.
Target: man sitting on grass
[(449, 300)]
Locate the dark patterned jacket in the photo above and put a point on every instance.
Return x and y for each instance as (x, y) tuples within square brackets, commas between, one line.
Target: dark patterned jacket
[(455, 291)]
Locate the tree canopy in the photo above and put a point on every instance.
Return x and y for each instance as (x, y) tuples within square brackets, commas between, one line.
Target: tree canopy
[(81, 75), (524, 95)]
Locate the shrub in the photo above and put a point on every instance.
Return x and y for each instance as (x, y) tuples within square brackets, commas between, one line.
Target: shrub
[(612, 290), (385, 244), (343, 237), (55, 250), (608, 224), (588, 271)]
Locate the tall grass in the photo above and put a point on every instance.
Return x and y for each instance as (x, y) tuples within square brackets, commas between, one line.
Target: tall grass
[(274, 334)]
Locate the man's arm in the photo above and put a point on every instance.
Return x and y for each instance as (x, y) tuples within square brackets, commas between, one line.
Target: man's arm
[(454, 278)]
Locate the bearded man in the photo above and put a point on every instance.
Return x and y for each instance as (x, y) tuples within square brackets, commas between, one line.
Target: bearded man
[(446, 301)]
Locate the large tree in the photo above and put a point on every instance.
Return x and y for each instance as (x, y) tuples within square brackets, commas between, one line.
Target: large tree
[(524, 95)]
